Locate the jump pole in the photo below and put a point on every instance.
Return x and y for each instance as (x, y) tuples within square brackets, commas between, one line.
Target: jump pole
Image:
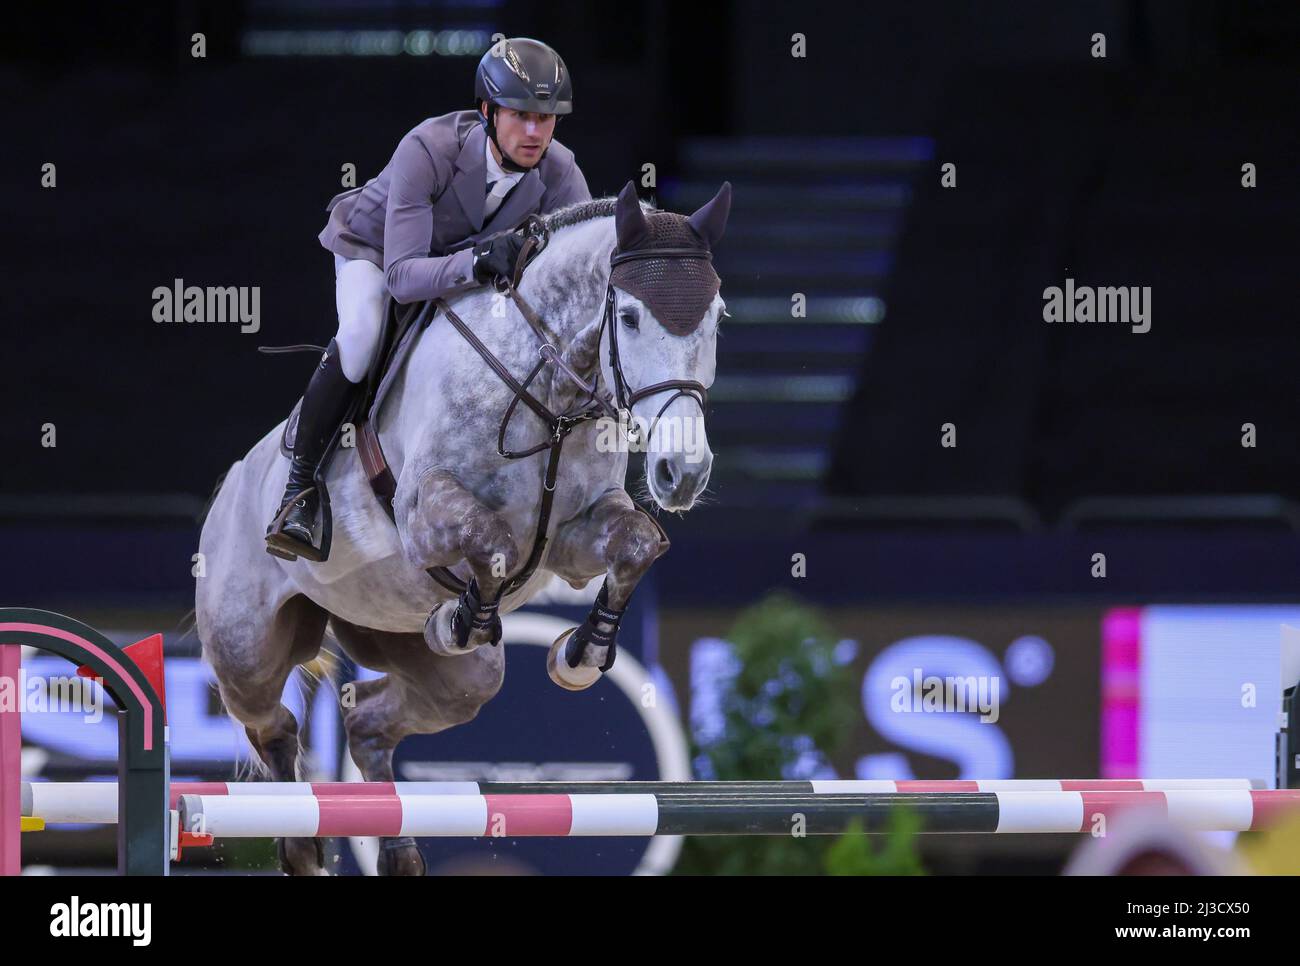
[(96, 802), (522, 815)]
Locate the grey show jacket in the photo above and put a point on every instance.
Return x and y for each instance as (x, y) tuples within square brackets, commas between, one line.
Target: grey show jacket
[(419, 232)]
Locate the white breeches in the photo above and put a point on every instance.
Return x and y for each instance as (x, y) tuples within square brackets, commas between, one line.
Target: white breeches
[(359, 294)]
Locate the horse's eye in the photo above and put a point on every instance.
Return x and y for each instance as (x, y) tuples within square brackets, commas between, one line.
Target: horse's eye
[(629, 318)]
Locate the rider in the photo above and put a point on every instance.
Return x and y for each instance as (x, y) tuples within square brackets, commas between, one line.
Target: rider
[(437, 220)]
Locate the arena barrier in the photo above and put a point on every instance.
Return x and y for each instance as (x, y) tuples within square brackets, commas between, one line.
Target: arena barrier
[(96, 802), (201, 811), (695, 813)]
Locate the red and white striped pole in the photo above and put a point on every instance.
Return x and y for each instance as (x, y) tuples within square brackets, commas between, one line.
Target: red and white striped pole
[(525, 815), (96, 802)]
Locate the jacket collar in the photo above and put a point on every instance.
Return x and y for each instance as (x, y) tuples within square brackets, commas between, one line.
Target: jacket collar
[(470, 185)]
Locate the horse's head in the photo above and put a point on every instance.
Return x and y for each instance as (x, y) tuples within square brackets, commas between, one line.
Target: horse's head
[(659, 342)]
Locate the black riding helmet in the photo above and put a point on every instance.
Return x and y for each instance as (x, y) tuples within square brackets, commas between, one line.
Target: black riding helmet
[(523, 75)]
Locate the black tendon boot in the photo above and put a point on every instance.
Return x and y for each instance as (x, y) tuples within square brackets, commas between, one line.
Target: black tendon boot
[(324, 404)]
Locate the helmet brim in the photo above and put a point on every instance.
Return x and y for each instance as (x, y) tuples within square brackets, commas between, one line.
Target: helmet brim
[(534, 105)]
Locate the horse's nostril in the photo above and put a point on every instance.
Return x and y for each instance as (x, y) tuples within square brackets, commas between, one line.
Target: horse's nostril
[(664, 474)]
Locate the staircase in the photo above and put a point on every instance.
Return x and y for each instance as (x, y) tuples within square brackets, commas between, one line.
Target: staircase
[(811, 216)]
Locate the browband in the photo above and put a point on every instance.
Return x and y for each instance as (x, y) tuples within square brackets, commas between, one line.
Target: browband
[(660, 253)]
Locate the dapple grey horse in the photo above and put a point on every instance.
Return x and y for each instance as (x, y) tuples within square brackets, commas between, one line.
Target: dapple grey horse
[(460, 505)]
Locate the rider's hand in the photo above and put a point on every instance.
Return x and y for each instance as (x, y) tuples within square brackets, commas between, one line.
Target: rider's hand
[(497, 257)]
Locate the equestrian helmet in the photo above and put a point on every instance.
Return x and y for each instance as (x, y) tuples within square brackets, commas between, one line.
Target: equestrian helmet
[(524, 75)]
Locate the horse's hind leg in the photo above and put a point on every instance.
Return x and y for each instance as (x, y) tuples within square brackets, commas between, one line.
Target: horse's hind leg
[(252, 663), (421, 694)]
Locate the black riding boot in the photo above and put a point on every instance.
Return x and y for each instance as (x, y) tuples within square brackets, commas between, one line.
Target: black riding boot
[(324, 404)]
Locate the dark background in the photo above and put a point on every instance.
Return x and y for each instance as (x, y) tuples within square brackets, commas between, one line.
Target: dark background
[(925, 303)]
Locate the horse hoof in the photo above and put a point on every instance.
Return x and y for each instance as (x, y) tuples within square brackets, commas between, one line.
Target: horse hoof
[(400, 856), (438, 634), (301, 856), (570, 678)]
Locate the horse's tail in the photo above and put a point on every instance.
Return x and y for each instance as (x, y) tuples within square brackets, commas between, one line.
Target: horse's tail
[(185, 626)]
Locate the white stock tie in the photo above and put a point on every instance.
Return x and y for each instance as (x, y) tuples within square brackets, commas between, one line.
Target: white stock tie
[(500, 189)]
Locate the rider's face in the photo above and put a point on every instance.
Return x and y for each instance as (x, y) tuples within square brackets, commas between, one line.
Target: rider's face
[(523, 135)]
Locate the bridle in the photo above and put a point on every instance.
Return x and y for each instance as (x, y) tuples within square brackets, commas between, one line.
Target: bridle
[(624, 397)]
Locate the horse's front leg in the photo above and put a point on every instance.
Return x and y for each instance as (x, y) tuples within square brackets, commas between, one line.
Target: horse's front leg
[(617, 537), (443, 523)]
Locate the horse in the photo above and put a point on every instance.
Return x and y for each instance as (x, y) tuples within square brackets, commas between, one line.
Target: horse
[(632, 306)]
